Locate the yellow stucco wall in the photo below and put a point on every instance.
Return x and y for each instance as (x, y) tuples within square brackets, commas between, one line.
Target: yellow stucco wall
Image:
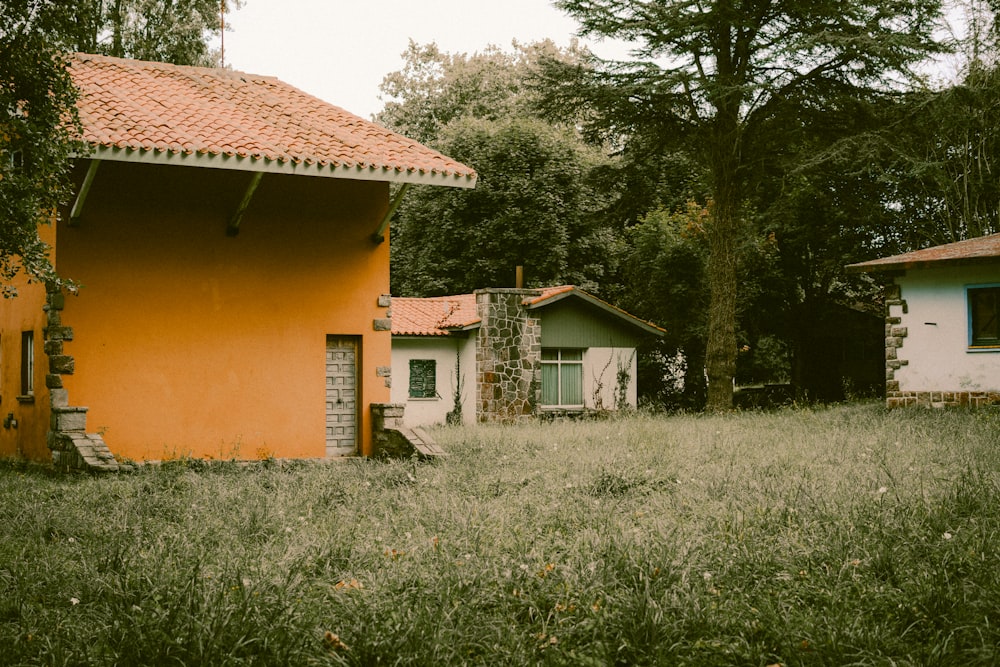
[(24, 313), (189, 342)]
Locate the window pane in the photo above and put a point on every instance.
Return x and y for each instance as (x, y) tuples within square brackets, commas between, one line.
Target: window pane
[(983, 306), (572, 384), (550, 384), (549, 354), (572, 355), (27, 363)]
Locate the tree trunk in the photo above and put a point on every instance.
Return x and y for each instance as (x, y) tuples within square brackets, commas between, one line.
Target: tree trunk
[(720, 353)]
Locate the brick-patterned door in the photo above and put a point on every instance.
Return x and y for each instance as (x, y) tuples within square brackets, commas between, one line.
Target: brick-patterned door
[(341, 395)]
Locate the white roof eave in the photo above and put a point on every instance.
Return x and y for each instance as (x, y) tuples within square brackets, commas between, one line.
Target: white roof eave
[(240, 163)]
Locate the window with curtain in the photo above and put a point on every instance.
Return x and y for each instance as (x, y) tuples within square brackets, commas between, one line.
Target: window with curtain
[(562, 378)]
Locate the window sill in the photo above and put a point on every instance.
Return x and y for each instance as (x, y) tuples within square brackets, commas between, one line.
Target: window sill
[(983, 348), (423, 400), (28, 398)]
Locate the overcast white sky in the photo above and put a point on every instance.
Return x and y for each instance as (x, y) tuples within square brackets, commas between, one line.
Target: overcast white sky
[(339, 50)]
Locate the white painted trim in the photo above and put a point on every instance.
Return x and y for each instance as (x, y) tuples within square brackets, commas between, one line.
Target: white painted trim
[(221, 161)]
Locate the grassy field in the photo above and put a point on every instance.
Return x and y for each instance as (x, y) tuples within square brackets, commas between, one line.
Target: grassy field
[(841, 536)]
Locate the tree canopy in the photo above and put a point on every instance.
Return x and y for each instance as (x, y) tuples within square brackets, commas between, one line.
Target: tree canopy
[(173, 31)]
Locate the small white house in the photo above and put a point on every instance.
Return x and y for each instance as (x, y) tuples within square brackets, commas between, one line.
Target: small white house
[(508, 354), (942, 330)]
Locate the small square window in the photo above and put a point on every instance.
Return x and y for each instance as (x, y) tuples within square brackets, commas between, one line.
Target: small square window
[(984, 306), (423, 377)]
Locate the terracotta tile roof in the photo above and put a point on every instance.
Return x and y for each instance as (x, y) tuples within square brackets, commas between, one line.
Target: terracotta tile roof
[(439, 316), (169, 109), (983, 248), (432, 316)]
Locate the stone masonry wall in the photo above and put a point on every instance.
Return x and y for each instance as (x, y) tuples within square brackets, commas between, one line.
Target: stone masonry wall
[(72, 447), (508, 356)]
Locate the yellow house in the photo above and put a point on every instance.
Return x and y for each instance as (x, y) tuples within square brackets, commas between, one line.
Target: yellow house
[(228, 237)]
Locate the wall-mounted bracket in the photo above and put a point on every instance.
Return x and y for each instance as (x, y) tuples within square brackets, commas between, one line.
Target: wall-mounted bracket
[(379, 235), (233, 228), (81, 196)]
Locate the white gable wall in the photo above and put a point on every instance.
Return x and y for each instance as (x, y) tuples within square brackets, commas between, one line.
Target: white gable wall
[(600, 376), (443, 350), (935, 348)]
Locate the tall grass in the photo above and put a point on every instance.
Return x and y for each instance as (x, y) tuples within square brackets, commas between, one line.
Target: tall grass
[(842, 536)]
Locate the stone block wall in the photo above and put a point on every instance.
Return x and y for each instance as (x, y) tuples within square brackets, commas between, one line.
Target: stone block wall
[(508, 356)]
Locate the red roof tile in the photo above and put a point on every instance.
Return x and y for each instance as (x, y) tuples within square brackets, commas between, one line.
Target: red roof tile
[(983, 248), (439, 316), (157, 107), (433, 316)]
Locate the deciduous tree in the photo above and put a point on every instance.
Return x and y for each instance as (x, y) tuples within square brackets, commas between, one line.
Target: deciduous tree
[(726, 81), (532, 207), (535, 203)]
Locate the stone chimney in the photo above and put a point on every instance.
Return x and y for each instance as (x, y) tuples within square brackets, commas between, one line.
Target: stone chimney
[(508, 356)]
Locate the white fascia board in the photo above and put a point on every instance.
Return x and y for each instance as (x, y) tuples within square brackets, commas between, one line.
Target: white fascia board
[(607, 308), (220, 161)]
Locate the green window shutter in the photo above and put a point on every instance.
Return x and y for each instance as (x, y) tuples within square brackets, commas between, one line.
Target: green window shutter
[(423, 374)]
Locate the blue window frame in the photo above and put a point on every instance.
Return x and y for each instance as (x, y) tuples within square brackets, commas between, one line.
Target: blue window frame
[(984, 316)]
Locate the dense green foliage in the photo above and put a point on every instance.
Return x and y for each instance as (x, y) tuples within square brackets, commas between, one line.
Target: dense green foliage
[(837, 536), (173, 31), (37, 110), (536, 204), (532, 207)]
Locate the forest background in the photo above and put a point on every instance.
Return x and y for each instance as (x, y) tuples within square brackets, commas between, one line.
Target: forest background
[(717, 183)]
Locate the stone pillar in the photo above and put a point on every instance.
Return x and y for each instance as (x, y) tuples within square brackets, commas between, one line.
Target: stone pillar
[(508, 356)]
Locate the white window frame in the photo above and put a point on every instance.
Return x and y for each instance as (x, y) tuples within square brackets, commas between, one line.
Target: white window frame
[(560, 365)]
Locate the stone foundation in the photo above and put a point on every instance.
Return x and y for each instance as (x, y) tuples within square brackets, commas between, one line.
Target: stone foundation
[(943, 399)]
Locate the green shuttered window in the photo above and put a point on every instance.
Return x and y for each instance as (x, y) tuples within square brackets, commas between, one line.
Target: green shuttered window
[(423, 374)]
